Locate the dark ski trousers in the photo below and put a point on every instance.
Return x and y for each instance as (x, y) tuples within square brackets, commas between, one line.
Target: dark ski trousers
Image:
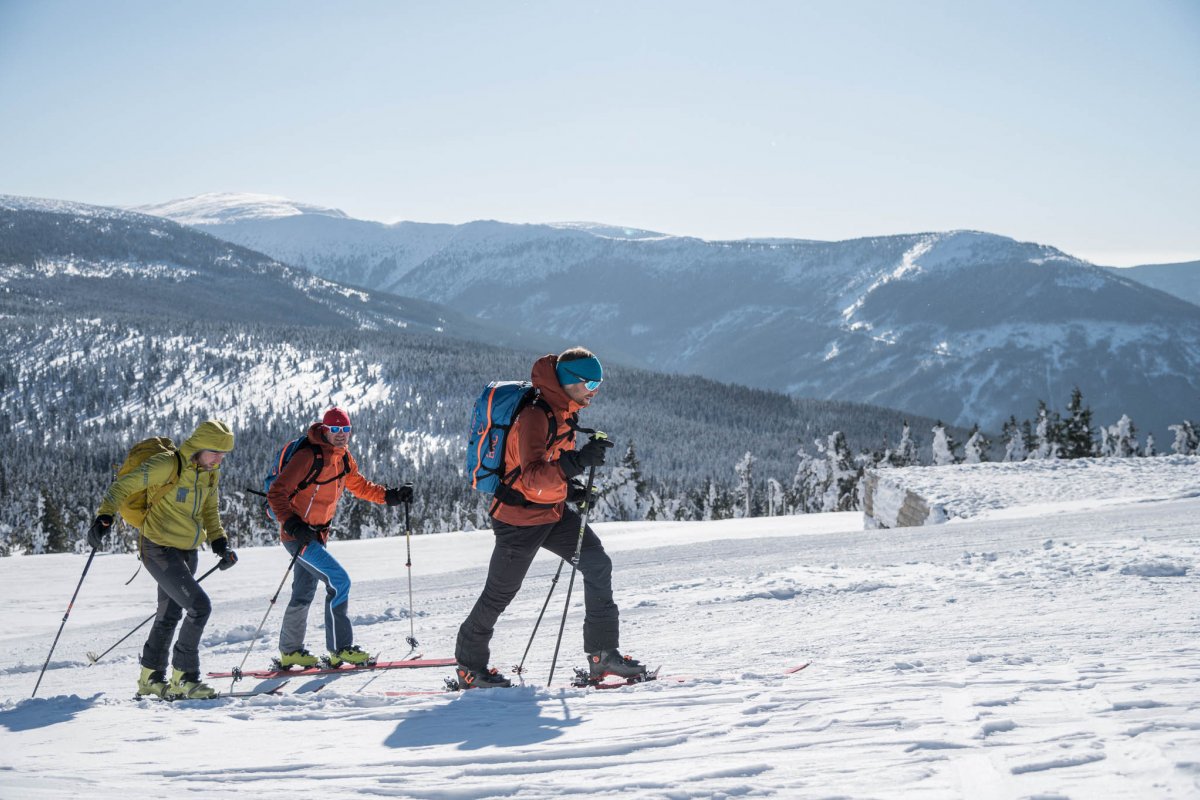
[(514, 550), (175, 571)]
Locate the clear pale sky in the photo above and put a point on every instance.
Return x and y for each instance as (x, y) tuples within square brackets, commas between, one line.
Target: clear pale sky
[(1074, 124)]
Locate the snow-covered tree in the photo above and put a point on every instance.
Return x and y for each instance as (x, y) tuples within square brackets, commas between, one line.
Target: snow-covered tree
[(1049, 445), (841, 490), (943, 446), (808, 486), (743, 493), (1120, 440), (976, 449), (776, 498), (905, 453), (1015, 448), (1186, 439), (54, 529), (1076, 435), (624, 496), (1148, 450)]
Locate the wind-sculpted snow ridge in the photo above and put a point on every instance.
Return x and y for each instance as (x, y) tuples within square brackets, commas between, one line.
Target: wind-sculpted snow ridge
[(990, 658)]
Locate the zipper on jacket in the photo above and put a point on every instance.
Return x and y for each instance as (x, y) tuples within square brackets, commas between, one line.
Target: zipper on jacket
[(196, 508)]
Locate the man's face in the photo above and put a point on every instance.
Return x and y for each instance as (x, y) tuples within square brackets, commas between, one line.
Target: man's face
[(209, 459), (580, 393), (337, 435)]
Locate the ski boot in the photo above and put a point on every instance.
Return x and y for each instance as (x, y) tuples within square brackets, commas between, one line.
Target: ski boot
[(480, 678), (297, 658), (187, 686), (353, 655), (603, 663), (152, 683)]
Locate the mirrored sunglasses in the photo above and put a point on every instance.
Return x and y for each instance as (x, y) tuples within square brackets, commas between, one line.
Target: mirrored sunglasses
[(339, 428)]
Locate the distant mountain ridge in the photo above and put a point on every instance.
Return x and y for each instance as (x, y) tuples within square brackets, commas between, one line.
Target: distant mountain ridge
[(962, 325), (64, 256), (1181, 279)]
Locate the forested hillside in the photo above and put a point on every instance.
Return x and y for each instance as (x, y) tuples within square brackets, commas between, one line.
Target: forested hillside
[(77, 393)]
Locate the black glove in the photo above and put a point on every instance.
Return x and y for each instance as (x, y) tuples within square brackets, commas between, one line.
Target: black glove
[(221, 548), (578, 494), (574, 462), (396, 495), (301, 531), (99, 529)]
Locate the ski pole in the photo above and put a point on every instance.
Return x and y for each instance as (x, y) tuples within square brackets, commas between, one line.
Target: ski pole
[(237, 673), (587, 509), (412, 635), (520, 668), (63, 624), (93, 658)]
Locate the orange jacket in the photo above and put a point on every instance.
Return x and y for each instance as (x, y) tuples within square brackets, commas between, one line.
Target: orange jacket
[(541, 479), (317, 502)]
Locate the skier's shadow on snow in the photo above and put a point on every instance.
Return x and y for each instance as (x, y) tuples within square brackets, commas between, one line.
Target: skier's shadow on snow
[(42, 712), (483, 718)]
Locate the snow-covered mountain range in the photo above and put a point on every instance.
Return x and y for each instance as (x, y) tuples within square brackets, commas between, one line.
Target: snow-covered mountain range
[(63, 256), (962, 325)]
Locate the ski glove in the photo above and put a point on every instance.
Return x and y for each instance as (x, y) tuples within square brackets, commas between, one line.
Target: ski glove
[(99, 529), (396, 495), (221, 548), (301, 531), (578, 494), (574, 462)]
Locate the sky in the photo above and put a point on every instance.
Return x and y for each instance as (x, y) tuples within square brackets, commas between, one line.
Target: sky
[(1071, 123)]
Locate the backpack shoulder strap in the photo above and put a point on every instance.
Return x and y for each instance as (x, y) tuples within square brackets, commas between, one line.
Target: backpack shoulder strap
[(314, 471)]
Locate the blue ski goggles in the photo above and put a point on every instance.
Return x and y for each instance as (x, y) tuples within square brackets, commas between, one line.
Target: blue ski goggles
[(591, 385), (339, 428)]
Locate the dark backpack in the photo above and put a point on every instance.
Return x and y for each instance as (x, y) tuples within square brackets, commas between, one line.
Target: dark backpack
[(285, 455), (491, 419)]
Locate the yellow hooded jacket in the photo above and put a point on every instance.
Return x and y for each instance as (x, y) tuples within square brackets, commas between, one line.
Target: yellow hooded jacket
[(187, 514)]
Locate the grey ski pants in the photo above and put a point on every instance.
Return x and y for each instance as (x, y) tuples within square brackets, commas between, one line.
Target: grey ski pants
[(515, 548), (175, 571)]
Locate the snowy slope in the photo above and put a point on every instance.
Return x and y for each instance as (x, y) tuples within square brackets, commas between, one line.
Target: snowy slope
[(216, 208), (998, 658)]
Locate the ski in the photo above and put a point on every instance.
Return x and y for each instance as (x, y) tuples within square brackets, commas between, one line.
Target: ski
[(584, 680), (414, 663), (797, 668), (272, 689)]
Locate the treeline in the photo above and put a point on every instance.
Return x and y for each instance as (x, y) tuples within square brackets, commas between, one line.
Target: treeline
[(77, 394)]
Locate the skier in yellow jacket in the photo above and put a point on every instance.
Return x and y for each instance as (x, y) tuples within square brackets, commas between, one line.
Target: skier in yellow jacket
[(176, 525)]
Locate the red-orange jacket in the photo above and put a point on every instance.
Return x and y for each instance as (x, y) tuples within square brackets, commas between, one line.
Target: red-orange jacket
[(541, 479), (317, 502)]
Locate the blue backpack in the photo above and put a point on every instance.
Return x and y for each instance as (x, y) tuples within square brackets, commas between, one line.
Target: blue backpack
[(285, 455), (491, 420)]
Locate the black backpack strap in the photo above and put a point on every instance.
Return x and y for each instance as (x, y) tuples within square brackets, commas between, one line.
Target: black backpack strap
[(318, 464), (345, 471)]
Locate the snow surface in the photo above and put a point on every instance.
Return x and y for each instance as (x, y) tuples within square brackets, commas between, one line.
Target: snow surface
[(964, 491), (1031, 656), (216, 208)]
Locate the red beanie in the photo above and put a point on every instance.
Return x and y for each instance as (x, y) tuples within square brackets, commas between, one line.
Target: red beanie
[(335, 416)]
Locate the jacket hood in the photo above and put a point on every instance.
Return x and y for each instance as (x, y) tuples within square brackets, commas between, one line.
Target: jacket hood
[(316, 435), (212, 434), (545, 379)]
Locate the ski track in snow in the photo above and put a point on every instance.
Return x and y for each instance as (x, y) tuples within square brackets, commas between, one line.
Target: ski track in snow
[(1005, 658)]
